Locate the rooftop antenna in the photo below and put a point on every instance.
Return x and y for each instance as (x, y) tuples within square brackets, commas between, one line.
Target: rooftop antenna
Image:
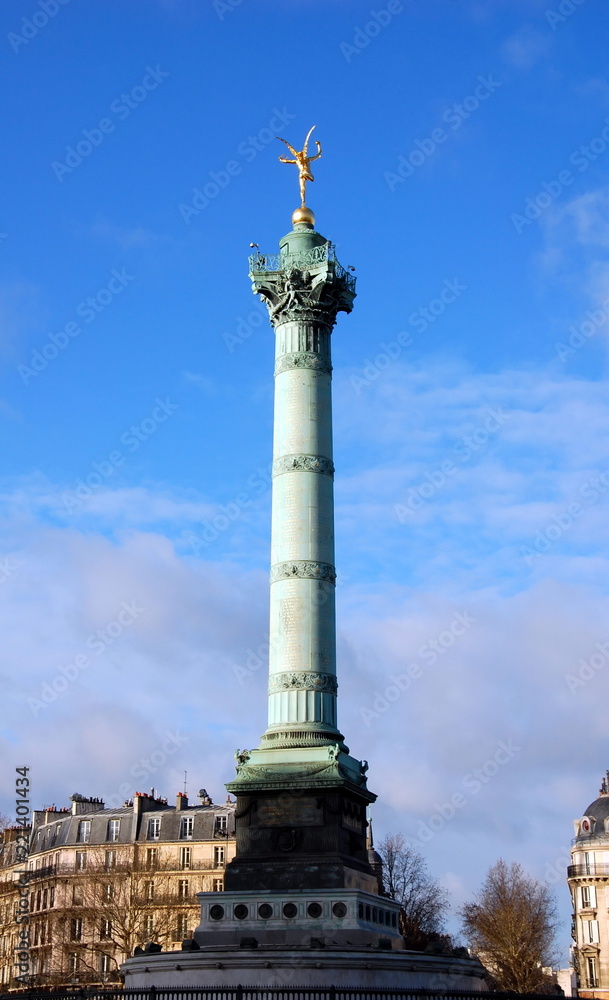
[(185, 779)]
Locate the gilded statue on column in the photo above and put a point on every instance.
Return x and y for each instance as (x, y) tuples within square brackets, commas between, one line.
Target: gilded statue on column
[(302, 161)]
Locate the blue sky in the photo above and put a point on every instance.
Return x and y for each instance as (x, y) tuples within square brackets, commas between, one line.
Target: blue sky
[(470, 398)]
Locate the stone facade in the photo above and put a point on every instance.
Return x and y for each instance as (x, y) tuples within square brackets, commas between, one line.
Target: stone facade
[(588, 877)]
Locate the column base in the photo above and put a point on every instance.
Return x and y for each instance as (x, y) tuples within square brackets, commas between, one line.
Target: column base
[(279, 737)]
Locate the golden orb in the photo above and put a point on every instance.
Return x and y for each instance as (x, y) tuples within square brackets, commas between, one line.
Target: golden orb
[(303, 215)]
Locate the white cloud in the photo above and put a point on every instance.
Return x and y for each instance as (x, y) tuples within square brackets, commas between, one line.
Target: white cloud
[(526, 48)]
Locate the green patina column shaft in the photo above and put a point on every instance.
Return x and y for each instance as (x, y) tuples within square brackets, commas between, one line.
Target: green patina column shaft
[(304, 288)]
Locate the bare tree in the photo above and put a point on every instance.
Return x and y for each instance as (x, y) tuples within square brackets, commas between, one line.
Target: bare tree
[(511, 926), (127, 905), (423, 899)]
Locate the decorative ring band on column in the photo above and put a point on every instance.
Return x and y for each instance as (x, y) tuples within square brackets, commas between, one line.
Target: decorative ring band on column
[(302, 680), (303, 569), (318, 362), (304, 463)]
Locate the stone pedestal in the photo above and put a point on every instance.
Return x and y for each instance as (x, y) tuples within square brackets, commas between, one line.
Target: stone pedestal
[(308, 968), (300, 821)]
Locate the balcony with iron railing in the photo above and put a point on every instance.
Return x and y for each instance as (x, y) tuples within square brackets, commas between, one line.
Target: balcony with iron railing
[(305, 260), (588, 871), (61, 869)]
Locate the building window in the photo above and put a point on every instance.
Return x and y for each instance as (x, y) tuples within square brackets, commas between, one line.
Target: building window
[(114, 826), (76, 929), (589, 862), (152, 856), (81, 861), (183, 888), (148, 924), (105, 963), (111, 857), (218, 885), (77, 895), (73, 962), (149, 891), (84, 831), (181, 927), (219, 857), (591, 971), (186, 827), (107, 892), (221, 823), (154, 828), (52, 896), (591, 931), (588, 897), (185, 854), (105, 931), (45, 899)]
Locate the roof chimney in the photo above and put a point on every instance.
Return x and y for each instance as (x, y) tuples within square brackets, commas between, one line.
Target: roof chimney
[(181, 801)]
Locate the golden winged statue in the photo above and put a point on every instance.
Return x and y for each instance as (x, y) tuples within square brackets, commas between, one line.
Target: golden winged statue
[(302, 161)]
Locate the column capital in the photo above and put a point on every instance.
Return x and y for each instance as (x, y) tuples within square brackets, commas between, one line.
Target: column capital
[(306, 285)]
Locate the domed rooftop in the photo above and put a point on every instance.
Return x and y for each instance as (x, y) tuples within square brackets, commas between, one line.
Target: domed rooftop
[(598, 810)]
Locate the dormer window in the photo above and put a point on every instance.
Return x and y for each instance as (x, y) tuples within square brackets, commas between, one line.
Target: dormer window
[(154, 828), (114, 827), (84, 831)]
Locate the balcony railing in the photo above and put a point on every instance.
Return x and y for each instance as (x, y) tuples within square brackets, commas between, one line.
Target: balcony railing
[(588, 871), (303, 261)]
